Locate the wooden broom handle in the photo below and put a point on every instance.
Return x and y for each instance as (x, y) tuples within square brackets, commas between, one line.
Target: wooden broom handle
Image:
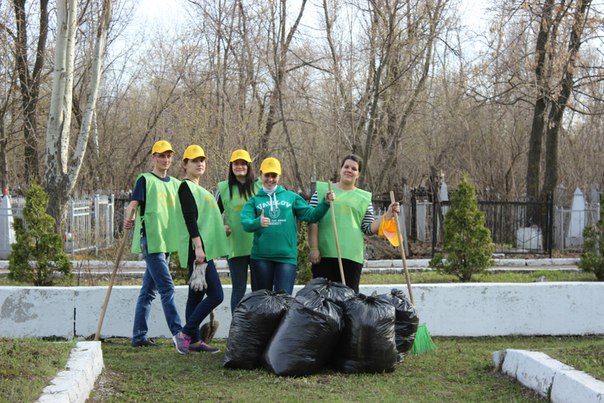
[(335, 233), (402, 248), (118, 258)]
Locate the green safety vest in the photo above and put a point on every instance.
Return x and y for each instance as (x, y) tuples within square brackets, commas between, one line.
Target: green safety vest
[(209, 222), (162, 208), (350, 208), (240, 242)]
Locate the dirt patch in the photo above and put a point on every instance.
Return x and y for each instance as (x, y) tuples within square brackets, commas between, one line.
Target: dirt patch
[(105, 387)]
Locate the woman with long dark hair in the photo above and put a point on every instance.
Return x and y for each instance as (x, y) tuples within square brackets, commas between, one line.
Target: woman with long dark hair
[(231, 196)]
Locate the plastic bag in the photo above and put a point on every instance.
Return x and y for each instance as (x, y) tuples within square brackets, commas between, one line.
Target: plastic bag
[(367, 343), (406, 322), (306, 337), (254, 321), (331, 290)]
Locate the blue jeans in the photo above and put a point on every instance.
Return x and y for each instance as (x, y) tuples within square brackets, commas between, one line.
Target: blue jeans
[(156, 278), (238, 268), (199, 307), (274, 276)]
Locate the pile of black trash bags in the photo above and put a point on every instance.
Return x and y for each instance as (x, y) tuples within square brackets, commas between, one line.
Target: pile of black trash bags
[(327, 325)]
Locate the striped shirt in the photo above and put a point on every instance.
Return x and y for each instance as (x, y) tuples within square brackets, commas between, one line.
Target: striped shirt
[(367, 219)]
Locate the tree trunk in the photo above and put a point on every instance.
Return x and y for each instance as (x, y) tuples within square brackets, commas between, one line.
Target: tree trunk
[(62, 170), (533, 173), (30, 83), (559, 105)]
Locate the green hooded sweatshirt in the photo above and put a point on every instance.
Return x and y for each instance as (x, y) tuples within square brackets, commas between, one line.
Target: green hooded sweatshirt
[(279, 241)]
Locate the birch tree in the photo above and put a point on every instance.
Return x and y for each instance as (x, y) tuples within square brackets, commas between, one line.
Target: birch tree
[(62, 167)]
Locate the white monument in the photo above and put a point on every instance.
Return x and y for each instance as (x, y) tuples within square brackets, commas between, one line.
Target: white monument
[(577, 220), (7, 233)]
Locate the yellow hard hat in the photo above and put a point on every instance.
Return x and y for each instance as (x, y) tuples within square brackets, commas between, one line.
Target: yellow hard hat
[(271, 165)]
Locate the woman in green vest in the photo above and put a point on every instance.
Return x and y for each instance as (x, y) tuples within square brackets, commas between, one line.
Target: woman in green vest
[(202, 242), (231, 196), (271, 215), (354, 217)]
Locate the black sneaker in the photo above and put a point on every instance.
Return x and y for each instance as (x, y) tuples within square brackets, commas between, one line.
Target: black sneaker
[(144, 343)]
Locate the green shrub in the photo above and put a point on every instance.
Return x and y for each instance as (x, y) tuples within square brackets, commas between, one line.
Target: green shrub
[(37, 244), (592, 260), (304, 266), (467, 242)]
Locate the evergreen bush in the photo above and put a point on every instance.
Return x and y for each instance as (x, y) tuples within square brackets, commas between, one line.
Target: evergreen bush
[(38, 251), (592, 260), (467, 242), (304, 266)]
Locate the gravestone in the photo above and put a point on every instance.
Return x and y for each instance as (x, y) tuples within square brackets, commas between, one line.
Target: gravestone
[(574, 235), (7, 233)]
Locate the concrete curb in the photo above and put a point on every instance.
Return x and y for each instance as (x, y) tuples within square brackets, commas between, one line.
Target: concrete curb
[(75, 383), (548, 377)]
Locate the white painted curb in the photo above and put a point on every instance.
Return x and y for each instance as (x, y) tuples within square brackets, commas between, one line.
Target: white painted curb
[(548, 377), (75, 383)]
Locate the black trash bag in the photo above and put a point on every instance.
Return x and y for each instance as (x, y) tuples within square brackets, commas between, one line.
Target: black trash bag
[(331, 290), (306, 337), (405, 325), (254, 321), (367, 343)]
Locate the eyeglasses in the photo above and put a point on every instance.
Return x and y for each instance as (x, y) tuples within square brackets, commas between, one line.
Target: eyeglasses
[(270, 175)]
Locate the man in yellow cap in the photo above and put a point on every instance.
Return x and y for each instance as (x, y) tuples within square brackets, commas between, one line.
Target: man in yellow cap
[(152, 212)]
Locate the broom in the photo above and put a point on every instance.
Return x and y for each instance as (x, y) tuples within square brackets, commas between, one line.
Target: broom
[(335, 232), (423, 342), (118, 258)]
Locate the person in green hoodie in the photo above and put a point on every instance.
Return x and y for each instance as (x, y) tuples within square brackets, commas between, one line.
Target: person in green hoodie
[(203, 240), (271, 215), (231, 196)]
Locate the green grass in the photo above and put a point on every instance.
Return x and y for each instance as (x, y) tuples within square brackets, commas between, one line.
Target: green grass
[(460, 370), (416, 278), (503, 277), (28, 365)]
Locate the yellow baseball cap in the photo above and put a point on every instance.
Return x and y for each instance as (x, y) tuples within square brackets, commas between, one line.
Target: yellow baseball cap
[(161, 146), (240, 155), (271, 165), (192, 152)]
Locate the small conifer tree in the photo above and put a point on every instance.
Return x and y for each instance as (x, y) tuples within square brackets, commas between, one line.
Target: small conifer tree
[(467, 242), (37, 242), (592, 260)]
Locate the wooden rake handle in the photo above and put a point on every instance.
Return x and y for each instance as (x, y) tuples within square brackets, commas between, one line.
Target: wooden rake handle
[(335, 233), (402, 249), (118, 258)]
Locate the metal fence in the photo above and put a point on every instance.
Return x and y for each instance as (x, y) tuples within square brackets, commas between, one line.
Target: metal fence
[(90, 222), (519, 227)]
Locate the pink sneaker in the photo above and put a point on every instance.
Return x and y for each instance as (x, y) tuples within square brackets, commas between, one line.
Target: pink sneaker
[(181, 342), (204, 348)]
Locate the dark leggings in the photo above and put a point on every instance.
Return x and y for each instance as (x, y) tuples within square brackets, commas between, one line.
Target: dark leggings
[(328, 268), (199, 307)]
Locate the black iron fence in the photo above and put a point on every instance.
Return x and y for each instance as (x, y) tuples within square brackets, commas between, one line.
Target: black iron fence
[(518, 227)]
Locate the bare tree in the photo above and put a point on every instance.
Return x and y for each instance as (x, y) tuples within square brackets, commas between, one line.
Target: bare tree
[(62, 169), (29, 81)]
